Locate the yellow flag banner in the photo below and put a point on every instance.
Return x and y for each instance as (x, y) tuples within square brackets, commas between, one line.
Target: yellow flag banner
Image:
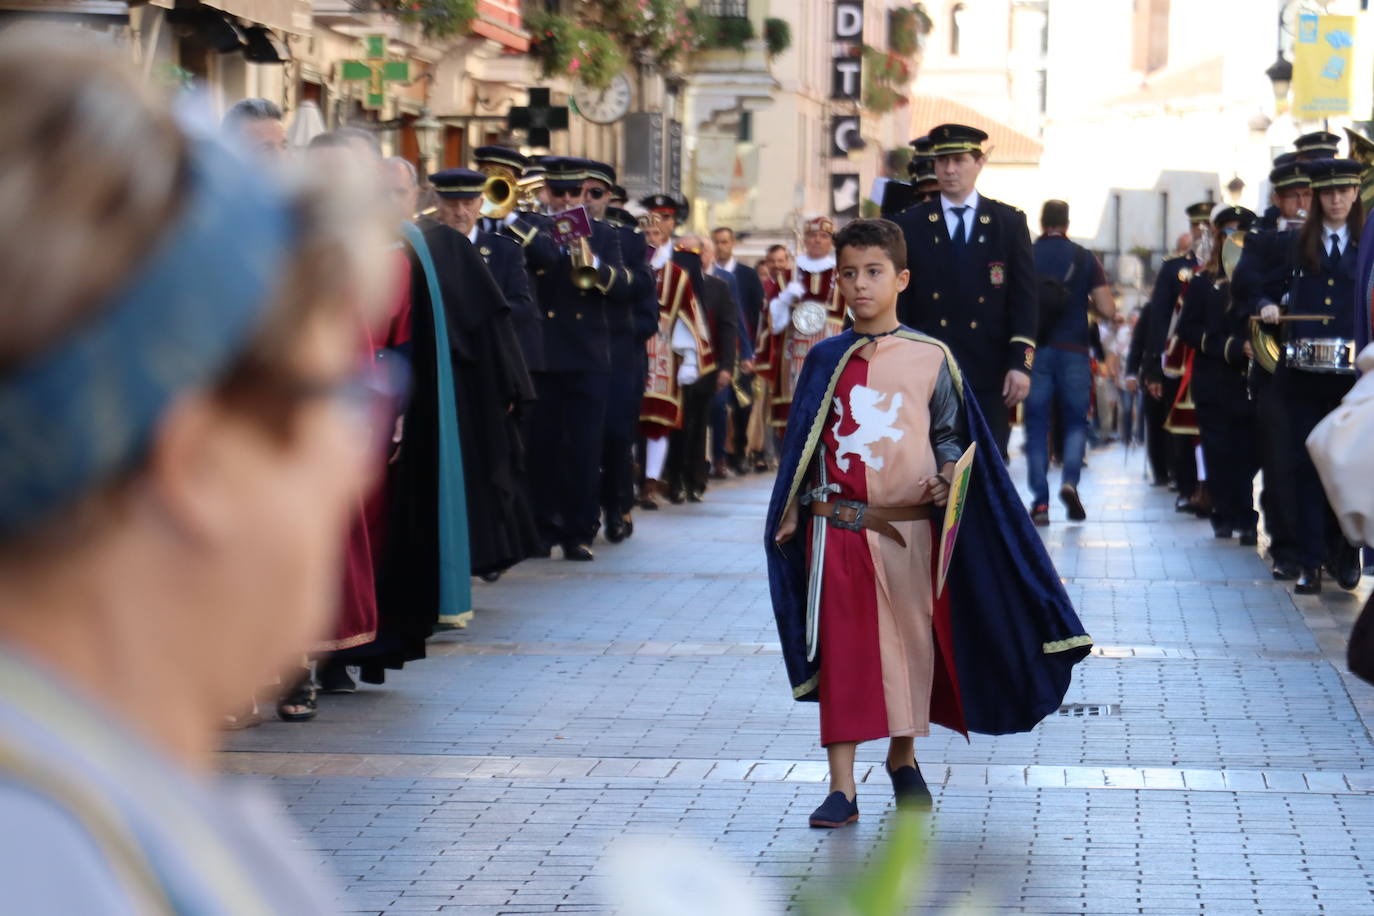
[(1333, 67)]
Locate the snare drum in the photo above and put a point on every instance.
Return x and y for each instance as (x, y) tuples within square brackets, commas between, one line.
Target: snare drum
[(1321, 354)]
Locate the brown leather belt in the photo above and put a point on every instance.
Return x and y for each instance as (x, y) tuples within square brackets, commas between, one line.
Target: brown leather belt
[(852, 515)]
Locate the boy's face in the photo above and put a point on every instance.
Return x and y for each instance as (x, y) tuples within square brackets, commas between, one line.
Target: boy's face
[(870, 282)]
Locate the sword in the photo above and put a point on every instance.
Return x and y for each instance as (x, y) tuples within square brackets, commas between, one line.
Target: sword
[(813, 585)]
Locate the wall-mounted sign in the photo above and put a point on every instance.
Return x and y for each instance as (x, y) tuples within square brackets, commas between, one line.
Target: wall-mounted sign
[(849, 20), (844, 195), (846, 78), (844, 135)]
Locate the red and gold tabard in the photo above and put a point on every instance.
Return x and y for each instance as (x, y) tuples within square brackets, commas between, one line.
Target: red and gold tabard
[(1178, 363), (818, 280), (766, 342), (681, 326)]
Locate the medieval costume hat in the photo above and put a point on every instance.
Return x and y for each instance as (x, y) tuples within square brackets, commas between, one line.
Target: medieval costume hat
[(819, 224)]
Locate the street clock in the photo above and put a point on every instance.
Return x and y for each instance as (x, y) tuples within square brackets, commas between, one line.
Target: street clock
[(604, 106)]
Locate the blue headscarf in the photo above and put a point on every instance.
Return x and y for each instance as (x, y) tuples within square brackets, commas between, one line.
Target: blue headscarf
[(80, 412)]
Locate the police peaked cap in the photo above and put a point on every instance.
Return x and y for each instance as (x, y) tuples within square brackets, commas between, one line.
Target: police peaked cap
[(659, 203), (600, 171), (1200, 212), (1334, 173), (564, 173), (501, 156), (458, 184), (1290, 174), (1320, 141), (1227, 213), (948, 139)]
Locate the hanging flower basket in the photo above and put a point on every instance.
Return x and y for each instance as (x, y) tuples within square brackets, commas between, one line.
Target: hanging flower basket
[(437, 18)]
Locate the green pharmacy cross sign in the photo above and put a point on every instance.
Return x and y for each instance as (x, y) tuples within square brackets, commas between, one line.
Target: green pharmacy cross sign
[(377, 70)]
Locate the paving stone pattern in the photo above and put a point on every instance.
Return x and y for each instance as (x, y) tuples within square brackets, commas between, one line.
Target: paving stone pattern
[(644, 694)]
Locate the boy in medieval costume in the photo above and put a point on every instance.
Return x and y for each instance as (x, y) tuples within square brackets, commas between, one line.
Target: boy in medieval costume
[(879, 420)]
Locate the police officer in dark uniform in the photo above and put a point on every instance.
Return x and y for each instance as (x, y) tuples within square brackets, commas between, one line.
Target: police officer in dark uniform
[(631, 320), (1308, 381), (1225, 415), (1320, 144), (973, 278), (1263, 257), (1146, 361), (570, 414)]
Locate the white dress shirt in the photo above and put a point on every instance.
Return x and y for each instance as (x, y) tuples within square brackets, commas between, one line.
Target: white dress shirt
[(950, 217)]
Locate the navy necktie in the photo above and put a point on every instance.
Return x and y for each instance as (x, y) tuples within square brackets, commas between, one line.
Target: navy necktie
[(1335, 252), (958, 237)]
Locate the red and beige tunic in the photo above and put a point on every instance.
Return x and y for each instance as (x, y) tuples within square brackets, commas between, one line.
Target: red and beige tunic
[(682, 340), (893, 421), (816, 278)]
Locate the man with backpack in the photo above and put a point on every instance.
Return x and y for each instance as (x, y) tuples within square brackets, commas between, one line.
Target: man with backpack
[(1068, 279)]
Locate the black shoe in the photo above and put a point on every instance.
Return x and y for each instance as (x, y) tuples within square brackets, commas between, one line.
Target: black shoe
[(1309, 583), (1286, 571), (1068, 495), (579, 552), (1348, 568), (333, 677), (909, 787), (493, 576), (695, 496), (615, 530), (676, 497), (1221, 534), (835, 811), (1184, 504), (629, 527), (1040, 515), (1249, 538)]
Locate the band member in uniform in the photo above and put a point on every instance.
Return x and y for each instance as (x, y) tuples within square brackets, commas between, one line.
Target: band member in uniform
[(973, 278), (1265, 255), (1225, 415), (1320, 144), (679, 354), (570, 415), (631, 321), (751, 303), (805, 312), (1316, 368), (923, 185), (1147, 358)]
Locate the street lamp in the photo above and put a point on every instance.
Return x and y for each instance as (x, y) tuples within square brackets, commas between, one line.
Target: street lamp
[(427, 129), (1280, 73)]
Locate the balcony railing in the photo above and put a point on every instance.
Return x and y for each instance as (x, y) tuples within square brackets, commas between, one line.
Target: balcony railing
[(726, 9)]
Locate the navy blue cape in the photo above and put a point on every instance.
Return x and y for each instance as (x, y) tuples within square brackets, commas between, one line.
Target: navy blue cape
[(1015, 635)]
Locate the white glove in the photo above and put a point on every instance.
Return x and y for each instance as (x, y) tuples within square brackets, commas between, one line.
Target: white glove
[(1270, 314), (687, 373), (794, 290)]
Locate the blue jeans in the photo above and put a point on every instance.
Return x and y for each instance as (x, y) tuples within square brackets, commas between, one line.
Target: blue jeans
[(1063, 378)]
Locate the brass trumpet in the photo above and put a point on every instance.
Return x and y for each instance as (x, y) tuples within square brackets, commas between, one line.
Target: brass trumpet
[(583, 266), (499, 195), (527, 193)]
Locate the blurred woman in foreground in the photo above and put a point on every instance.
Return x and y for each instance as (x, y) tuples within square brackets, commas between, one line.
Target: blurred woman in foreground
[(180, 406)]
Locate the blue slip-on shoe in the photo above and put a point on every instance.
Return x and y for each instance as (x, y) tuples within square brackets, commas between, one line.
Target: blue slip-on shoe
[(909, 787), (835, 811)]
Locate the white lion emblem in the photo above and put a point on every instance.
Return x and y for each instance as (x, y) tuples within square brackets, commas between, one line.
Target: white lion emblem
[(874, 424)]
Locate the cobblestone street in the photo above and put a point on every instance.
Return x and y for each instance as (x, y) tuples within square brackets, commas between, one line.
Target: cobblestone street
[(1220, 760)]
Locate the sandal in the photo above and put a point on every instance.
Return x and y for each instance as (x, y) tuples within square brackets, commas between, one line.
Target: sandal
[(249, 718), (299, 703)]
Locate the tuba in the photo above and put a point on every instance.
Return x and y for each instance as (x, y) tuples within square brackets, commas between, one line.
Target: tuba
[(499, 194)]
